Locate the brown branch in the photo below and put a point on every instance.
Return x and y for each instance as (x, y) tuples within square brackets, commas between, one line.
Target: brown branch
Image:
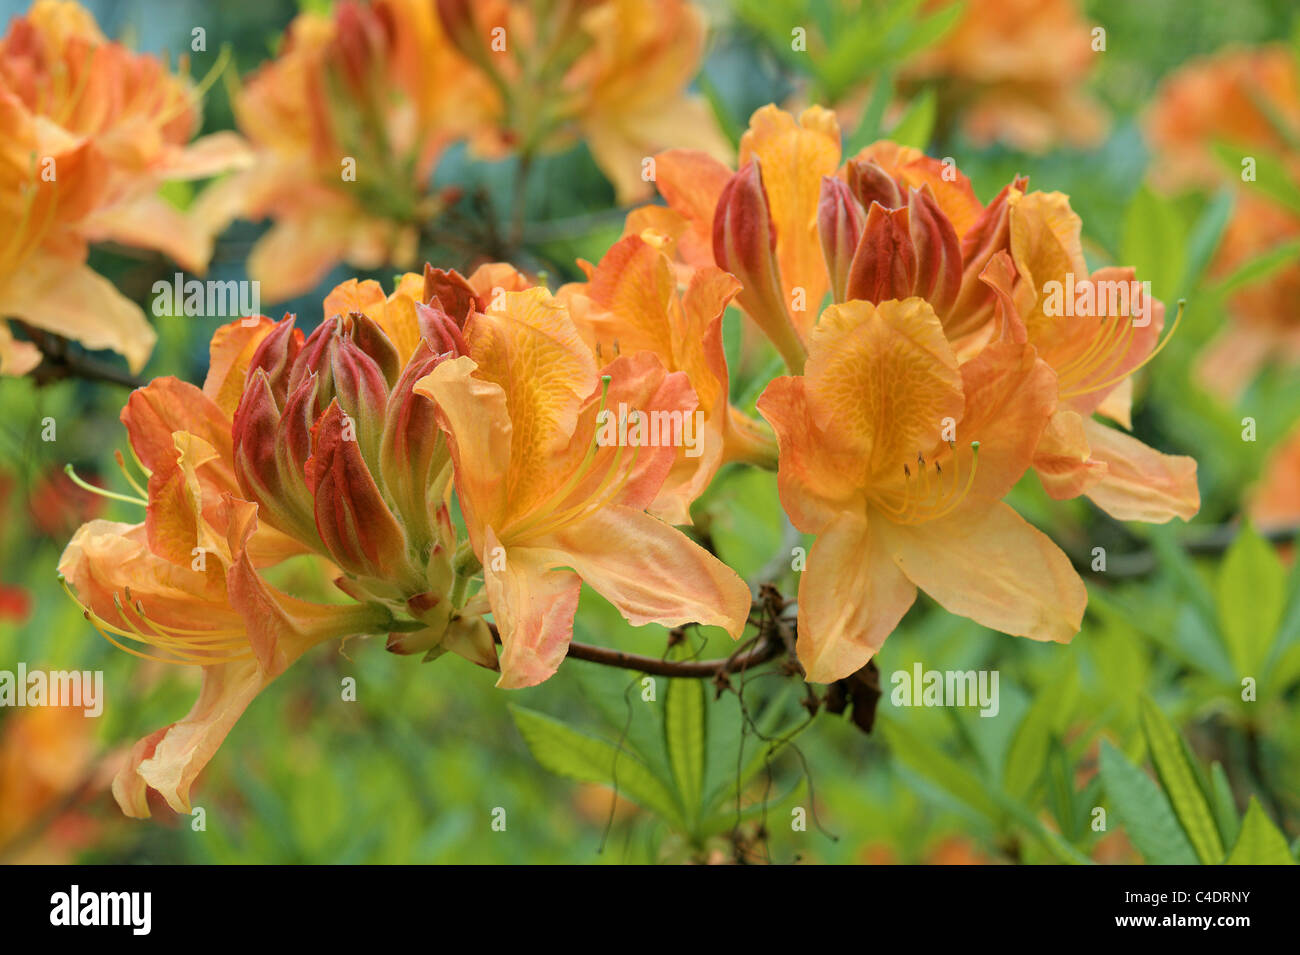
[(62, 361), (765, 648)]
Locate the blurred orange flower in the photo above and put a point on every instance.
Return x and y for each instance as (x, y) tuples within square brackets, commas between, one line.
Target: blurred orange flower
[(1014, 71), (1247, 101), (611, 72), (88, 133)]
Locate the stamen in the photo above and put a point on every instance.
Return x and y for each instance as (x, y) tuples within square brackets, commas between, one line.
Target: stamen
[(1089, 389), (121, 465), (923, 501), (184, 647), (87, 486)]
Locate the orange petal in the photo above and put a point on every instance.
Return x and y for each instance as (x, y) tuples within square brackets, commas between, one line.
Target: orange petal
[(652, 572), (691, 182), (817, 476), (69, 299), (882, 379), (851, 597), (531, 348), (1141, 484), (230, 353), (993, 567), (475, 416), (1063, 459), (794, 158), (533, 604)]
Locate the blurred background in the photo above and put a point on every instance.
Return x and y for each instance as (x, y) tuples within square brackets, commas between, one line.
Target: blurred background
[(414, 769)]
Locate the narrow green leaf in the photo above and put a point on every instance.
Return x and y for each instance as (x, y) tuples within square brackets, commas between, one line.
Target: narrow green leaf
[(1260, 842), (684, 737), (1204, 240), (917, 124), (938, 767), (1153, 242), (568, 752), (1178, 778), (1225, 807), (1029, 747), (1143, 811), (1251, 594)]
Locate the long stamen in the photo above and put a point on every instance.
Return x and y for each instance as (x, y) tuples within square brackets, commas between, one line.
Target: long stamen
[(130, 479), (87, 486), (1089, 389), (184, 647)]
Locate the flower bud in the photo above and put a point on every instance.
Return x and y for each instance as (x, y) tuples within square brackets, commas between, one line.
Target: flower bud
[(840, 221), (744, 243)]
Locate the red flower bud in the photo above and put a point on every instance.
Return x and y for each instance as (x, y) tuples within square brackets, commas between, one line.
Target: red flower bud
[(358, 530), (884, 265), (744, 243), (840, 221)]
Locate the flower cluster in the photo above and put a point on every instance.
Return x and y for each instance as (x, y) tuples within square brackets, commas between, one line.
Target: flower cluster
[(89, 132), (441, 449)]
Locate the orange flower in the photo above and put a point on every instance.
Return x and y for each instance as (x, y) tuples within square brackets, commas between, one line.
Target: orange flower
[(613, 72), (293, 446), (90, 130), (760, 224), (1014, 271), (46, 756), (554, 468), (1249, 101), (347, 124), (631, 303), (1014, 71), (1275, 503), (1094, 351), (897, 458)]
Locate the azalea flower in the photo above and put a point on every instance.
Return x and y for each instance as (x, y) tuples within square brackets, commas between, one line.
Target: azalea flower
[(631, 302), (896, 456), (1249, 102), (347, 125), (88, 133), (906, 225), (294, 445), (611, 72), (551, 498), (1015, 71)]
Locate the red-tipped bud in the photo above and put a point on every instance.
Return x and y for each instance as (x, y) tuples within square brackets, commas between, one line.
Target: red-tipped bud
[(413, 455), (362, 37), (840, 221), (938, 254), (869, 182), (450, 290), (989, 236), (440, 331), (276, 355), (744, 243), (884, 265), (266, 472), (358, 530)]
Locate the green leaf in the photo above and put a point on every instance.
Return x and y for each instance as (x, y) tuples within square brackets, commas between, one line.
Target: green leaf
[(1143, 811), (1251, 595), (1178, 777), (917, 124), (1271, 175), (567, 752), (1204, 240), (1153, 242), (1260, 842), (868, 130), (1225, 807), (1259, 268), (684, 737), (1029, 748), (938, 767)]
